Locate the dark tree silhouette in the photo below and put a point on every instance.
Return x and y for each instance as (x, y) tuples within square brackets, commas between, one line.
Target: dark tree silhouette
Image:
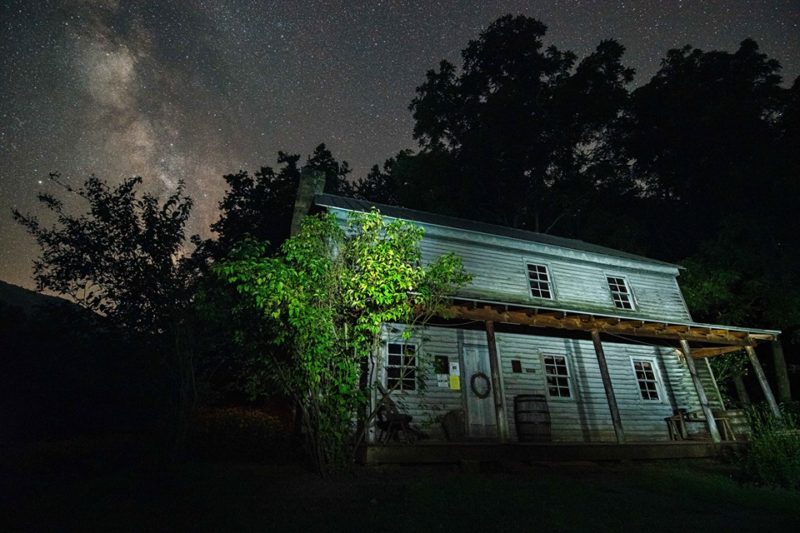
[(121, 258), (260, 205), (520, 135)]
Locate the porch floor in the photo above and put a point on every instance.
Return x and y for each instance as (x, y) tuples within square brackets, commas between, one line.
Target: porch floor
[(427, 452)]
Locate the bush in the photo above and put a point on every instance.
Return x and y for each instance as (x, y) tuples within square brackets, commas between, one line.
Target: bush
[(239, 434), (773, 456)]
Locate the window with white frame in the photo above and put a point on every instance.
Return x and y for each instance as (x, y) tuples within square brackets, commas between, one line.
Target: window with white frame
[(557, 376), (401, 366), (539, 281), (620, 292), (647, 378)]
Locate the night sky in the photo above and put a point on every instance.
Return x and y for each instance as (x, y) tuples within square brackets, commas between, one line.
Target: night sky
[(197, 89)]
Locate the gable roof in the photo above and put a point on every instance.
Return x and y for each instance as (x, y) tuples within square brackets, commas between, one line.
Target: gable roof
[(353, 204)]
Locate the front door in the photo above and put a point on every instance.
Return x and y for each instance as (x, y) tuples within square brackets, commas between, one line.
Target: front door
[(477, 382)]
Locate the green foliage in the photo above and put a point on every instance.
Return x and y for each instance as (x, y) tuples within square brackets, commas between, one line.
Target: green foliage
[(773, 454), (324, 299)]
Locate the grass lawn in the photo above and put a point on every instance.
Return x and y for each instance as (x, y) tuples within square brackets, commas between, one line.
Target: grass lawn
[(262, 497)]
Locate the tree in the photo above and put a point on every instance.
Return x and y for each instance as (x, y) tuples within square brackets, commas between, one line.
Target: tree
[(702, 134), (123, 259), (260, 206), (528, 134), (324, 299), (712, 137)]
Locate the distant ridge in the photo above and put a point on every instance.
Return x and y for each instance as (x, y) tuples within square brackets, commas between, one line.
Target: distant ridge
[(27, 300)]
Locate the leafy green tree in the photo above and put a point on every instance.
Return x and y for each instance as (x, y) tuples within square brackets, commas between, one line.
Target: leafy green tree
[(324, 299)]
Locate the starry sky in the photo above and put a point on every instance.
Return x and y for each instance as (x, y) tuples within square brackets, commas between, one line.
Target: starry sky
[(194, 89)]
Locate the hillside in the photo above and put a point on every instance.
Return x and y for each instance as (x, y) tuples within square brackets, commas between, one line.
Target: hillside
[(27, 300)]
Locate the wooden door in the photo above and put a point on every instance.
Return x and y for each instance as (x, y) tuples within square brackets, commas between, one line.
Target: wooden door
[(477, 382)]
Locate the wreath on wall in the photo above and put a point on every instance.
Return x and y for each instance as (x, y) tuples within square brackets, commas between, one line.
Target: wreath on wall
[(480, 385)]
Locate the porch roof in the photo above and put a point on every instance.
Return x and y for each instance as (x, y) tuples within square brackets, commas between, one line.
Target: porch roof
[(732, 338)]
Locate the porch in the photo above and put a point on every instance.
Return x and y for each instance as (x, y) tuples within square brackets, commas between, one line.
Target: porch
[(498, 373), (709, 340), (428, 452)]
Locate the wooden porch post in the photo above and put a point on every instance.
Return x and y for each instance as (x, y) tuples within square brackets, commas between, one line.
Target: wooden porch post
[(741, 390), (701, 392), (781, 374), (612, 399), (494, 365), (762, 380)]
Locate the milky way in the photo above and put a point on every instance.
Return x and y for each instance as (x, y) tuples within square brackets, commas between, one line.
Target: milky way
[(194, 89)]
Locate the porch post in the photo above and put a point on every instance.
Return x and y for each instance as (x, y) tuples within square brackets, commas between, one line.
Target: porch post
[(612, 399), (701, 392), (494, 365), (781, 374), (762, 380)]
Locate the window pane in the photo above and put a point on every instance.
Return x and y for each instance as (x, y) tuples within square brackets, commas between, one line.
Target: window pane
[(401, 369), (556, 376), (646, 378), (539, 281)]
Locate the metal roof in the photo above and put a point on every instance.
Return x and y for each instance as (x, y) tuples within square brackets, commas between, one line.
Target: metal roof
[(353, 204)]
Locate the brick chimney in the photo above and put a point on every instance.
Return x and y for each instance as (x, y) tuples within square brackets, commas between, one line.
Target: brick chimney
[(311, 182)]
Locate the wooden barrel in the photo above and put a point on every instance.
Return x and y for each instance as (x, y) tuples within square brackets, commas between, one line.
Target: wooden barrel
[(532, 417)]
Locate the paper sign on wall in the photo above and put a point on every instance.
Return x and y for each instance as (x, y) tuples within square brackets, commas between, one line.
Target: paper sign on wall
[(455, 376)]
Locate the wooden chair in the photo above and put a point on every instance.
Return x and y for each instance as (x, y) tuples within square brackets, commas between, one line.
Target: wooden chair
[(392, 423)]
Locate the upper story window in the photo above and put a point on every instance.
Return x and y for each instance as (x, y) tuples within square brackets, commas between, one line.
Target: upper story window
[(620, 292), (557, 376), (401, 367), (539, 281), (646, 376)]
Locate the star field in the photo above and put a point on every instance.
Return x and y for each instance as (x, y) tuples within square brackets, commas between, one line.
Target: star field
[(196, 89)]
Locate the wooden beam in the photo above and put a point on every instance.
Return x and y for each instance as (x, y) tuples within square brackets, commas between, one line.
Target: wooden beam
[(576, 322), (762, 380), (699, 353), (610, 396), (494, 365), (701, 392)]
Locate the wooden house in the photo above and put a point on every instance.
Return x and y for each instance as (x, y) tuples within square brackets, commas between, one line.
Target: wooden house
[(597, 343)]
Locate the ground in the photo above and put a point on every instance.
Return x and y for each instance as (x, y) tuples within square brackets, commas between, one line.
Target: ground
[(106, 492)]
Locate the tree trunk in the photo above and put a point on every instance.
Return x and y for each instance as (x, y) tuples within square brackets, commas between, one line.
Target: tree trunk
[(741, 390), (781, 373)]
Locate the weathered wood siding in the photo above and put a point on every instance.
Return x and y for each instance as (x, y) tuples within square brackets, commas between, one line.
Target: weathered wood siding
[(428, 405), (498, 267), (579, 280), (584, 417)]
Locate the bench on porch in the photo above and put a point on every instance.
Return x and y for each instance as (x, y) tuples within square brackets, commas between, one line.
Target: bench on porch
[(678, 429)]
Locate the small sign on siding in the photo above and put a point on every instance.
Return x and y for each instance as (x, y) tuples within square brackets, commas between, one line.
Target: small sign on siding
[(455, 376)]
